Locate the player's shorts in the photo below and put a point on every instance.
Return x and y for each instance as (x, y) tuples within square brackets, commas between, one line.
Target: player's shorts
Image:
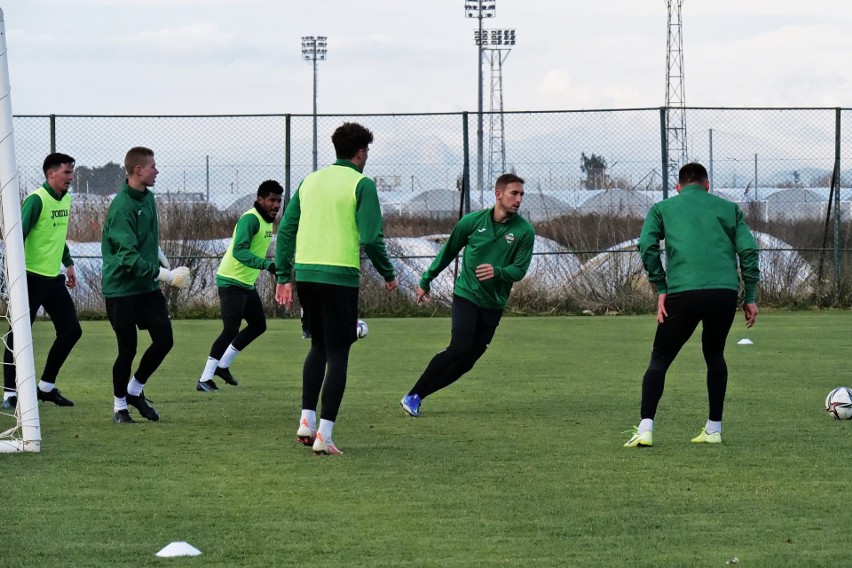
[(331, 312), (141, 310)]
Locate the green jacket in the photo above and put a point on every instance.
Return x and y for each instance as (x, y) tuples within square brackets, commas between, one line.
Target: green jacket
[(368, 219), (31, 216), (246, 255), (508, 247), (704, 236), (129, 244)]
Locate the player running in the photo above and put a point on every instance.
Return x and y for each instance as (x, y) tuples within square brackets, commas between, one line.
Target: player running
[(235, 280), (498, 246)]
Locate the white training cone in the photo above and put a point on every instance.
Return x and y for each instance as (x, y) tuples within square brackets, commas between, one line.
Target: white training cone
[(178, 549), (745, 342)]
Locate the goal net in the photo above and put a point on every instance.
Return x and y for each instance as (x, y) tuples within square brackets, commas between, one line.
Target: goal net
[(20, 430)]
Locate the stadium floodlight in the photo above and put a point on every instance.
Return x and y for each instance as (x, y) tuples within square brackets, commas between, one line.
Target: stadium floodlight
[(479, 9), (315, 49)]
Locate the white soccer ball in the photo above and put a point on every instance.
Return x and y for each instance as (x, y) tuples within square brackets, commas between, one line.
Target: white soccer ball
[(838, 403), (361, 329)]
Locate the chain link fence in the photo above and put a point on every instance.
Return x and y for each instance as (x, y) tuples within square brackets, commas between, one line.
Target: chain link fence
[(591, 177)]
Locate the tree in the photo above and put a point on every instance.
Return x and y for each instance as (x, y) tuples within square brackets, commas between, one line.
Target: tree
[(100, 180), (594, 167)]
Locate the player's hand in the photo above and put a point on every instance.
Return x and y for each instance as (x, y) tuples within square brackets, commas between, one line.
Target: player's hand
[(662, 314), (750, 314), (70, 276), (392, 285), (271, 269), (484, 272), (178, 277), (284, 294), (422, 296), (161, 258)]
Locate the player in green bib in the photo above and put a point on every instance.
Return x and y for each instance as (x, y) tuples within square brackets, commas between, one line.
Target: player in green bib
[(235, 279), (498, 246), (44, 219), (333, 213)]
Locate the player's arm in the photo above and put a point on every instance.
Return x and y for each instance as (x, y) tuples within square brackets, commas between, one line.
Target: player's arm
[(448, 253), (247, 227), (649, 249), (522, 257), (749, 256), (368, 217), (285, 244), (124, 244), (30, 212)]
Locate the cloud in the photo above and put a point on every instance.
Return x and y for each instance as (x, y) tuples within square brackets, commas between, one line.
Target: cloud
[(201, 37)]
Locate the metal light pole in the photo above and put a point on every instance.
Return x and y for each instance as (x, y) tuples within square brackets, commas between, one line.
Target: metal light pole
[(479, 9), (314, 49)]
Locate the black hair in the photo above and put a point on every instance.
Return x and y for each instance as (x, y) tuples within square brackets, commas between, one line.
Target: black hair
[(53, 161), (692, 173), (269, 186), (349, 138)]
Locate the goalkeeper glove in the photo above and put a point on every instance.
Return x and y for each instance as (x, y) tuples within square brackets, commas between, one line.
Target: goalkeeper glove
[(179, 277), (164, 262)]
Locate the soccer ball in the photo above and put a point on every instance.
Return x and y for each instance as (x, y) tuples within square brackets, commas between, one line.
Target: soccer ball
[(361, 330), (838, 403)]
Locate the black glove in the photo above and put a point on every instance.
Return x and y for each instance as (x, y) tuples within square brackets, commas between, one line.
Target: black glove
[(271, 268)]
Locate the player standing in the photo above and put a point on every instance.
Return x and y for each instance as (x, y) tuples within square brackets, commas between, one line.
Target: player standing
[(235, 281), (705, 236), (334, 210), (131, 284), (498, 246), (44, 222)]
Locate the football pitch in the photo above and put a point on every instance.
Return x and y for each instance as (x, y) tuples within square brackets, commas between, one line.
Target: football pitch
[(520, 463)]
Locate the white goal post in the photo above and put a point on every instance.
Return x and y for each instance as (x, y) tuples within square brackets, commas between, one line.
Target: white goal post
[(24, 434)]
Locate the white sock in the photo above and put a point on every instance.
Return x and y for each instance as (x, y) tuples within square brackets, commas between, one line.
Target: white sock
[(228, 357), (119, 403), (134, 387), (209, 369), (713, 427), (310, 416), (45, 386), (7, 394), (646, 425), (325, 429)]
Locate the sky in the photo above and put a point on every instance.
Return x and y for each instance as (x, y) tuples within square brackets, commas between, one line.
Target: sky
[(399, 56)]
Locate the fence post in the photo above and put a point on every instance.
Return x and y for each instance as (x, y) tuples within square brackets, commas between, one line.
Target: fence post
[(207, 172), (664, 153), (286, 159), (52, 133), (466, 168), (838, 185)]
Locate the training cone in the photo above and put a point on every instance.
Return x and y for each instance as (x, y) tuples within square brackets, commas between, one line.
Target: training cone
[(745, 342), (178, 549)]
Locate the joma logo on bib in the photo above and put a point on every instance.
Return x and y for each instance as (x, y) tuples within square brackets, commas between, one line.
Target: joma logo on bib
[(58, 213)]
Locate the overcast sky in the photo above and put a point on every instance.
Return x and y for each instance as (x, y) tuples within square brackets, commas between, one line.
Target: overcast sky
[(243, 56)]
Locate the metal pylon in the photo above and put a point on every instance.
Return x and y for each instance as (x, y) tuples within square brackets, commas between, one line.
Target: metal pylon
[(496, 138), (675, 95)]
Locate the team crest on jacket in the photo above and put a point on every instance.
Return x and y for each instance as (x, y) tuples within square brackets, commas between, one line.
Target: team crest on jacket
[(510, 238)]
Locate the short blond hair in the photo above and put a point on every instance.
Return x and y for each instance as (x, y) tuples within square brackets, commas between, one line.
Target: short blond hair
[(136, 156)]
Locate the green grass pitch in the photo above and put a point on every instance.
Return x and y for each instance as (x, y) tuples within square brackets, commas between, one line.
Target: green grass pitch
[(520, 463)]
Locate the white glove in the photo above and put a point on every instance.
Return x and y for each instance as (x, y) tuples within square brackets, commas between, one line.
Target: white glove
[(164, 262), (179, 277)]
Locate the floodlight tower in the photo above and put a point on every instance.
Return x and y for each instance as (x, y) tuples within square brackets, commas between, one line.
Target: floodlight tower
[(479, 9), (675, 95), (314, 49), (499, 43)]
